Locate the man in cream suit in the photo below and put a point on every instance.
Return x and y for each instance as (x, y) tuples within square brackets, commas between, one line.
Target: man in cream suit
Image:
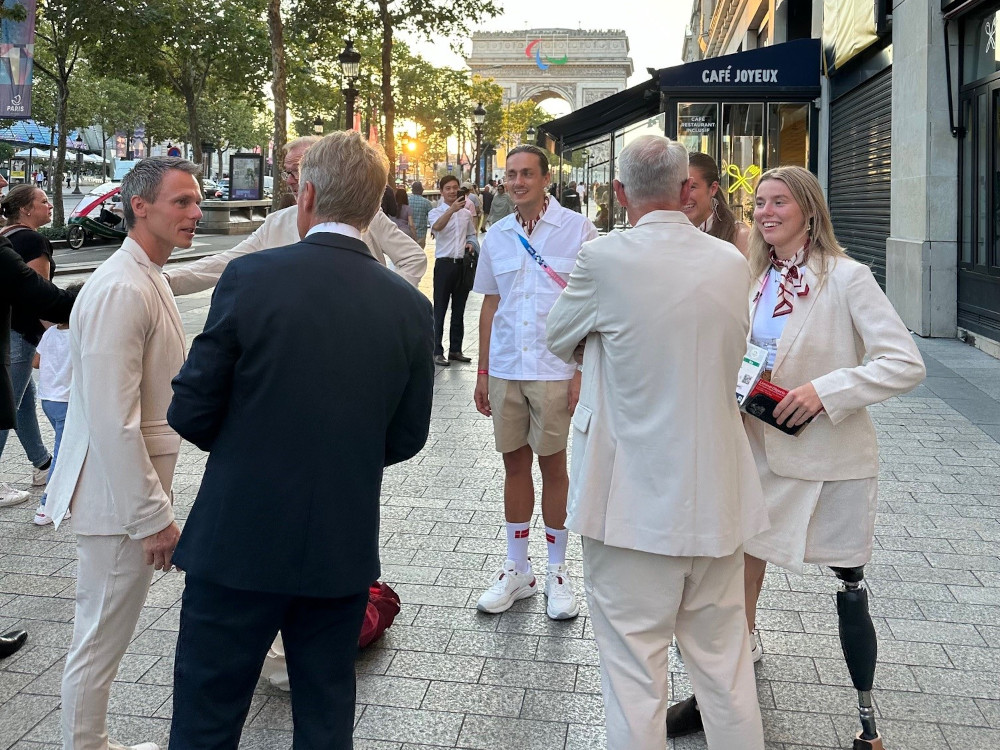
[(383, 238), (118, 452), (663, 487)]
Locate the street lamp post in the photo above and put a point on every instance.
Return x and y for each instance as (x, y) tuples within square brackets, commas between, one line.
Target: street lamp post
[(31, 151), (79, 163), (586, 182), (318, 125), (350, 66), (478, 118)]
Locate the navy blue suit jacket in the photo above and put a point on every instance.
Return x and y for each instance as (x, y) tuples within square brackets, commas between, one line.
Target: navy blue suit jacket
[(313, 373)]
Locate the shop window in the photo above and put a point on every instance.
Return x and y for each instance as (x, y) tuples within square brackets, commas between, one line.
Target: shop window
[(968, 181), (742, 154), (982, 57), (982, 177), (787, 134), (698, 126)]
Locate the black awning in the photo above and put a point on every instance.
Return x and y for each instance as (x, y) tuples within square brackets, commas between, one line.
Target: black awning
[(605, 116), (788, 70)]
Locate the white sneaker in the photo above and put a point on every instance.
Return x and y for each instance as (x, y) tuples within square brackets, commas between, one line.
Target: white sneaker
[(140, 746), (507, 587), (756, 649), (10, 496), (561, 601), (44, 519), (40, 477)]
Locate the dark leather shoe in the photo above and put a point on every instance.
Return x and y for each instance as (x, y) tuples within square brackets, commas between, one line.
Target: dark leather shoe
[(684, 718), (458, 357), (12, 642), (439, 359)]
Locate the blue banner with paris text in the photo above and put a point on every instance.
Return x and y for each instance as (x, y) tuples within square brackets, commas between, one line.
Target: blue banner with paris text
[(17, 56)]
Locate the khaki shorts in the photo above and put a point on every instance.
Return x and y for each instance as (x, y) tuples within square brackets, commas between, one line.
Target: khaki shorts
[(530, 412)]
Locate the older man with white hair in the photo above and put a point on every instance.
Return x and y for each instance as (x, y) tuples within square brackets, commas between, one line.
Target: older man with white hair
[(382, 237), (663, 486)]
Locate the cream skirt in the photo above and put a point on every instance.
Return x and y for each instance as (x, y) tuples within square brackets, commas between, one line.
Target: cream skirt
[(822, 523)]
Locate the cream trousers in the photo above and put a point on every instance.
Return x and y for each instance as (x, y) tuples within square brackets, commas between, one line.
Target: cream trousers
[(638, 601), (111, 586)]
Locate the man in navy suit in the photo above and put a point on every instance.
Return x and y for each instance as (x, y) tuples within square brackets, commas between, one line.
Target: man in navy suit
[(271, 387)]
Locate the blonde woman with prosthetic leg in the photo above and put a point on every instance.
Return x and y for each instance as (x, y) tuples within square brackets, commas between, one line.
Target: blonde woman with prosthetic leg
[(837, 345)]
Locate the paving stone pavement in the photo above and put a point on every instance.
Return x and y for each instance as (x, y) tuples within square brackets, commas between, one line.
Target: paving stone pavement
[(446, 676)]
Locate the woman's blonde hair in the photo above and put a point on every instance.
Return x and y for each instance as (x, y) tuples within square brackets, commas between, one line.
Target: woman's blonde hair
[(808, 195)]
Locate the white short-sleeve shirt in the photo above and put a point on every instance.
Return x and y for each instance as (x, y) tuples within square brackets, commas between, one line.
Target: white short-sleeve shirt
[(527, 293), (450, 241), (55, 369)]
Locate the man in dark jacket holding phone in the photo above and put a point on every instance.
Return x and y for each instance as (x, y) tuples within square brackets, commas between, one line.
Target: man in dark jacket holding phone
[(21, 287)]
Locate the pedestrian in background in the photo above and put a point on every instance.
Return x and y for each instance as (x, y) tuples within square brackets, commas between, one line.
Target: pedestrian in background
[(501, 206), (404, 215), (455, 236), (419, 207), (26, 208)]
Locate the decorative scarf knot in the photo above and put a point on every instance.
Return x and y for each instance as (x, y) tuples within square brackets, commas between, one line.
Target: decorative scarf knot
[(792, 282)]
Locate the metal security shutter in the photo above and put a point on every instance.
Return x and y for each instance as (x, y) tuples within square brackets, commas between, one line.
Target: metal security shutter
[(860, 178)]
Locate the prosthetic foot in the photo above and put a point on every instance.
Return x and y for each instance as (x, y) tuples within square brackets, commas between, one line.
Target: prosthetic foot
[(857, 638)]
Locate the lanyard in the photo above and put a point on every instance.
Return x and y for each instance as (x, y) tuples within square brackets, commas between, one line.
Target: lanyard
[(541, 261)]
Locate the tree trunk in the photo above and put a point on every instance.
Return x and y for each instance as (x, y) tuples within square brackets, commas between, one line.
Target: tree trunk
[(388, 103), (191, 105), (278, 90), (62, 96)]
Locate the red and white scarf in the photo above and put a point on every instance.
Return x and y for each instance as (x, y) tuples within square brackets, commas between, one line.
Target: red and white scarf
[(791, 283), (529, 225)]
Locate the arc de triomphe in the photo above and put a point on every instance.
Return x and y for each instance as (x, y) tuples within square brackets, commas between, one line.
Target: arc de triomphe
[(578, 66)]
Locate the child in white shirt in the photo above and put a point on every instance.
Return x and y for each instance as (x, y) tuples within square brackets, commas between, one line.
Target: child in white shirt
[(55, 372)]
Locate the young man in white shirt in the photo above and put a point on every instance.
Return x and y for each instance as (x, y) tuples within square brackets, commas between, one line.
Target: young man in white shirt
[(529, 393), (454, 236)]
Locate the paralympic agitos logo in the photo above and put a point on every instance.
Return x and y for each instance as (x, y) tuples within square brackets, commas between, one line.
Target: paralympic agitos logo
[(535, 48)]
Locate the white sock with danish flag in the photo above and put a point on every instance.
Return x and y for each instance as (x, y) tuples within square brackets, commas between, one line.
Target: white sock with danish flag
[(556, 539), (517, 544)]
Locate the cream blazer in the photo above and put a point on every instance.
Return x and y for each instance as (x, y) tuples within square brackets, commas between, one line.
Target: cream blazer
[(847, 340), (661, 462), (383, 238), (117, 457)]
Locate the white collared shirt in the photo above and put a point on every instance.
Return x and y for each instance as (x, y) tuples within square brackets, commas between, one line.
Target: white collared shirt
[(450, 241), (337, 228), (527, 293)]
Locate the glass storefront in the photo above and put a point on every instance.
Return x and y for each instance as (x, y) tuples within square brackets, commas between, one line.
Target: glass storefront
[(748, 139), (979, 175)]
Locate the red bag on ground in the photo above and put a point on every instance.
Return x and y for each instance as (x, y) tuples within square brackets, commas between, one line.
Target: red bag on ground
[(383, 606)]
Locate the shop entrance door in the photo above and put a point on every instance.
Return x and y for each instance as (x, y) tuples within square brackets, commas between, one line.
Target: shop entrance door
[(979, 226)]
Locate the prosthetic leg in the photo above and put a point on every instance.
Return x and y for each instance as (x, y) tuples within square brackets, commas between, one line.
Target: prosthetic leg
[(857, 638)]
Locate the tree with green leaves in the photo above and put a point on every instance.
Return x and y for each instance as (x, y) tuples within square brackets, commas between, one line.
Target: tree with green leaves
[(429, 19), (187, 45), (63, 28)]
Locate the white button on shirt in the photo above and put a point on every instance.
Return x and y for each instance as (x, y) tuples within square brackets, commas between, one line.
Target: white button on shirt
[(450, 241), (527, 293)]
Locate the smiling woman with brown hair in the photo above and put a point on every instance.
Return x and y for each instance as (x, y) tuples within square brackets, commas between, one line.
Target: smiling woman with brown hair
[(707, 209)]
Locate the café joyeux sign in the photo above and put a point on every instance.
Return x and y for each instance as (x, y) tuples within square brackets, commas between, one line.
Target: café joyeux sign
[(740, 75)]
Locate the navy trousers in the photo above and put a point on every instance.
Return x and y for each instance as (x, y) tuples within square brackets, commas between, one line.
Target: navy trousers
[(223, 639)]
